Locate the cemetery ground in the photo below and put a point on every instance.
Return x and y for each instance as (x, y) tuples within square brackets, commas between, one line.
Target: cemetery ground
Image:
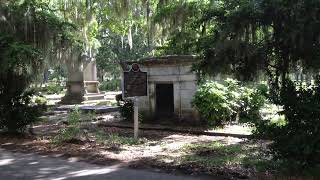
[(95, 138)]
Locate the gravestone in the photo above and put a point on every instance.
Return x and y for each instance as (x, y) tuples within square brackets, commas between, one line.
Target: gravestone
[(82, 84)]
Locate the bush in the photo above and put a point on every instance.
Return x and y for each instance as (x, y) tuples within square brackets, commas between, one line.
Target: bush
[(219, 103), (72, 132), (69, 134), (54, 88), (298, 140), (19, 63), (16, 113), (126, 109), (252, 100), (263, 89), (40, 100), (110, 85), (212, 101)]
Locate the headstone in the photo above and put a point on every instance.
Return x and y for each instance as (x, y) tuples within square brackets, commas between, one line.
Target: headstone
[(82, 81)]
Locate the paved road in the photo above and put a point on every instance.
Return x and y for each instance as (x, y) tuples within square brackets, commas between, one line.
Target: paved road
[(18, 166)]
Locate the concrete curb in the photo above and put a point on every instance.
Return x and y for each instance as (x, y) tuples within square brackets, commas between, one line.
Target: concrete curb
[(96, 109)]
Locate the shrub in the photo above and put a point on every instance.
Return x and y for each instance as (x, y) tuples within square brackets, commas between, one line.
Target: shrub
[(119, 98), (74, 116), (110, 85), (219, 103), (72, 132), (16, 113), (252, 100), (263, 89), (213, 103), (68, 134), (54, 88), (40, 100), (19, 63), (126, 109), (298, 140)]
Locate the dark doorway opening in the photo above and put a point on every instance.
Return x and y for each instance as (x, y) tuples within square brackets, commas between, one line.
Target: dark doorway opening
[(164, 100)]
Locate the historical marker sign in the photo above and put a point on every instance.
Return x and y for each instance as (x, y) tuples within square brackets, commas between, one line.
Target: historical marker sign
[(135, 82)]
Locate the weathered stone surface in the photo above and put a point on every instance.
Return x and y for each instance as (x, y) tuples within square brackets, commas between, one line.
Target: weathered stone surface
[(175, 70), (82, 82)]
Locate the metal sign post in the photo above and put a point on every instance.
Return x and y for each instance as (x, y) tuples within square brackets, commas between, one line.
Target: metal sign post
[(134, 86), (136, 118)]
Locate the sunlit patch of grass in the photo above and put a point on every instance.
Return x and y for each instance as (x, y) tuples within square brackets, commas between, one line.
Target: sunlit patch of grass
[(216, 154), (235, 129), (114, 139), (107, 103)]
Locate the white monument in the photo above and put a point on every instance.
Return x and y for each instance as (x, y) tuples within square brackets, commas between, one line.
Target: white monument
[(82, 84)]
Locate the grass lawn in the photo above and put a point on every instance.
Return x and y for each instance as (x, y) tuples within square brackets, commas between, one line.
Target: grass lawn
[(247, 154)]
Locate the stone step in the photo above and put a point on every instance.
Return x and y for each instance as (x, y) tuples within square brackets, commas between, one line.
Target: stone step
[(110, 98), (54, 97), (99, 109), (95, 101)]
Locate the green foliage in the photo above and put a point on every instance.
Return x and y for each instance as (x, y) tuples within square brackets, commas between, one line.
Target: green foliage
[(29, 33), (107, 103), (16, 112), (263, 89), (219, 103), (115, 48), (217, 154), (74, 116), (298, 139), (212, 102), (40, 100), (18, 62), (115, 140), (252, 100), (59, 72), (54, 88), (275, 37), (179, 23), (126, 109), (55, 77), (67, 134), (110, 85), (247, 37), (72, 131)]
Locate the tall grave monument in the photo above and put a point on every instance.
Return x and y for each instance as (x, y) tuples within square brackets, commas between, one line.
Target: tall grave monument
[(82, 84)]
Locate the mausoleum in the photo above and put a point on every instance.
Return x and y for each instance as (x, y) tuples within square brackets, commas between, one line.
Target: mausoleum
[(171, 87)]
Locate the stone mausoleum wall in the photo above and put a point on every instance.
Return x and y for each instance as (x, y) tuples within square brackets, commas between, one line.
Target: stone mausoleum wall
[(174, 70)]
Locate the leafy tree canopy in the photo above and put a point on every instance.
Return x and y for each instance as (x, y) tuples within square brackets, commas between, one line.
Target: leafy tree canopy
[(244, 36)]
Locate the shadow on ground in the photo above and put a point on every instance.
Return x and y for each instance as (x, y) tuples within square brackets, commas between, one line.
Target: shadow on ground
[(14, 166)]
